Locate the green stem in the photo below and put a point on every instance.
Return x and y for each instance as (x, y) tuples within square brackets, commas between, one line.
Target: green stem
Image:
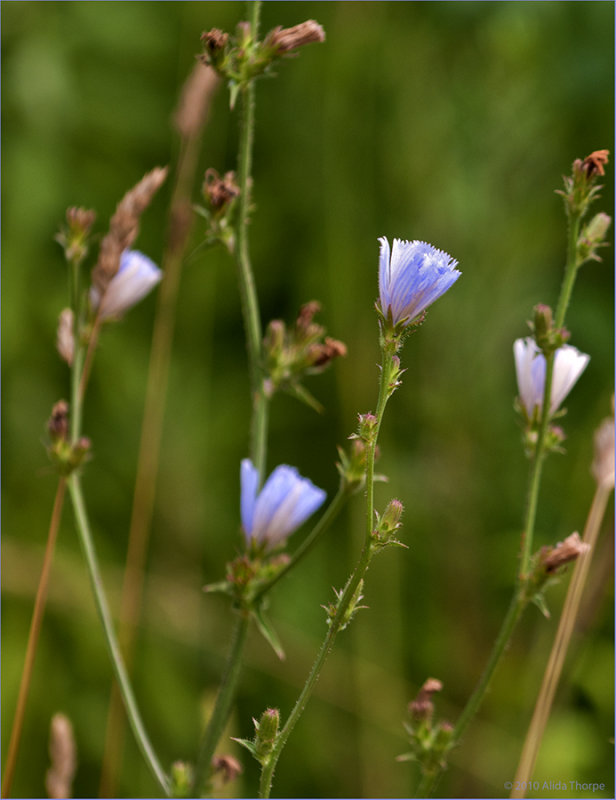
[(520, 598), (338, 622), (222, 707), (566, 289), (248, 292), (78, 353), (328, 516), (121, 675)]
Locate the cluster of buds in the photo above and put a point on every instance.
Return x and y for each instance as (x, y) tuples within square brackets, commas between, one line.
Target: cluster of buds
[(581, 187), (74, 238), (241, 58), (352, 464), (387, 525), (547, 564), (65, 455), (220, 194), (353, 607), (290, 354), (430, 741), (266, 731)]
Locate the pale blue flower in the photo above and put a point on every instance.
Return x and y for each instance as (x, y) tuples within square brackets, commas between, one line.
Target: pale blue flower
[(412, 278), (569, 364), (283, 504), (135, 278)]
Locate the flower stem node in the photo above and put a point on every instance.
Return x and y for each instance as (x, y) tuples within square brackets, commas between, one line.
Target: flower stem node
[(387, 525), (547, 564), (75, 237), (292, 354), (220, 195), (65, 455), (352, 465), (181, 779), (266, 731), (353, 607), (429, 742), (581, 186)]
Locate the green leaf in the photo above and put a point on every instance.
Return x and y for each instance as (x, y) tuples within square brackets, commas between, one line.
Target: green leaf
[(268, 633)]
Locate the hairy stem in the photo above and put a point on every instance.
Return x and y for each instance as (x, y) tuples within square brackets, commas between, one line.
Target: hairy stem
[(340, 618)]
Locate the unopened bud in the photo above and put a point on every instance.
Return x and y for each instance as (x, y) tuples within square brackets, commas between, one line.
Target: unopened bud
[(367, 427), (543, 322), (181, 779), (57, 426), (266, 731), (390, 521)]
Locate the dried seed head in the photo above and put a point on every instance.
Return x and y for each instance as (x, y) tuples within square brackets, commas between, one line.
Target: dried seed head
[(322, 354), (124, 227), (593, 164), (63, 754), (283, 40), (220, 191), (553, 558), (195, 100), (80, 220), (214, 40)]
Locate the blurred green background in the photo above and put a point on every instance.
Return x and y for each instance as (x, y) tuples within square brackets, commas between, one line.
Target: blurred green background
[(451, 122)]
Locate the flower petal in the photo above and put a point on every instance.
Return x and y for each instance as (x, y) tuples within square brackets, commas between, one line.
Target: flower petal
[(136, 277), (249, 483)]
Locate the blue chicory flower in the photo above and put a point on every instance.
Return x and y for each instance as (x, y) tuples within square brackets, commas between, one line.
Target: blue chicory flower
[(412, 278), (283, 504), (569, 363), (136, 276)]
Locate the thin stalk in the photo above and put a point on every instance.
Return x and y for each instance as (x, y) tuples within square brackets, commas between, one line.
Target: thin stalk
[(556, 661), (151, 435), (222, 707), (33, 637), (85, 536), (566, 289), (248, 292), (337, 623)]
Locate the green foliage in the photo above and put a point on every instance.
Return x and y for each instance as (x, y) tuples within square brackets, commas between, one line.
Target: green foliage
[(448, 122)]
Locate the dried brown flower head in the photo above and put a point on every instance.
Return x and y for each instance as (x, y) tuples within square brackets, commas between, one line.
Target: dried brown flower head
[(322, 353), (283, 40), (593, 164), (124, 227), (220, 191), (57, 426), (64, 337), (421, 708), (552, 558), (215, 39)]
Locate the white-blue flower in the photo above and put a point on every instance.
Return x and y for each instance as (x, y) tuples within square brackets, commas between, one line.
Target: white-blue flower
[(136, 276), (412, 277), (569, 364), (283, 504)]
